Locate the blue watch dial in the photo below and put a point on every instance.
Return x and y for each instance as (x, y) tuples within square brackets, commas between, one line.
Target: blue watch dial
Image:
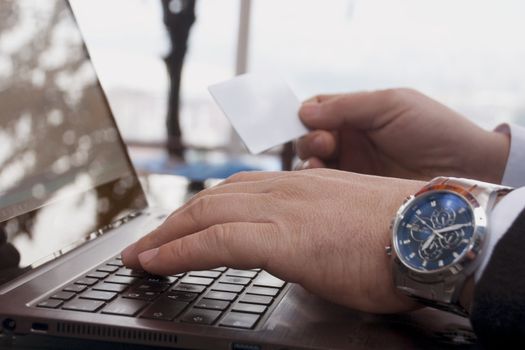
[(435, 231)]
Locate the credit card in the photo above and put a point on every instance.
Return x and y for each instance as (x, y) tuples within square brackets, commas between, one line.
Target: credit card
[(262, 109)]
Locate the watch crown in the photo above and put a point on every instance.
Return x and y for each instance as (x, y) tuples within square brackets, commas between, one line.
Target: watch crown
[(388, 250)]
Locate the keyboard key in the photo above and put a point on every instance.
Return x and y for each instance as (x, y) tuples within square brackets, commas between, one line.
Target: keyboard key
[(212, 304), (220, 296), (224, 287), (160, 279), (110, 287), (189, 288), (241, 273), (130, 273), (50, 304), (221, 269), (263, 291), (197, 280), (107, 268), (164, 309), (97, 274), (201, 316), (181, 296), (256, 299), (98, 295), (250, 308), (239, 320), (235, 280), (124, 307), (266, 280), (86, 281), (121, 280), (152, 287), (75, 288), (115, 262), (209, 274), (63, 295), (85, 305), (142, 295)]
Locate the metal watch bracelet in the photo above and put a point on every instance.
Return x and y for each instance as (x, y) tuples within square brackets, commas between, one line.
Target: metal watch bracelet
[(443, 291)]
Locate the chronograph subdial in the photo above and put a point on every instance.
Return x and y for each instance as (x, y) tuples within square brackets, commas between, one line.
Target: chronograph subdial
[(443, 217), (418, 232), (431, 252)]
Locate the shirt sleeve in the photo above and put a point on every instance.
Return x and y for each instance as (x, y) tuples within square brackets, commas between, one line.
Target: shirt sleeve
[(514, 175), (508, 209), (498, 308), (500, 220)]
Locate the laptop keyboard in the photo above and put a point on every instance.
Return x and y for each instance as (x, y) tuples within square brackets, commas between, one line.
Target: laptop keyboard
[(222, 297)]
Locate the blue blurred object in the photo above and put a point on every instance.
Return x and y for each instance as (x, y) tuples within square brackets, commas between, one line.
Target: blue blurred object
[(194, 171)]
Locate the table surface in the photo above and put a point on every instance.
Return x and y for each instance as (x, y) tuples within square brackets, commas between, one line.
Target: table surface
[(163, 191)]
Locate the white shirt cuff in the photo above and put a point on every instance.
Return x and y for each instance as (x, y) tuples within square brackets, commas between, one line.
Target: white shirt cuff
[(514, 175), (499, 221)]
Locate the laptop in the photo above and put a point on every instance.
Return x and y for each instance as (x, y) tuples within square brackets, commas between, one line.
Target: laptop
[(70, 201)]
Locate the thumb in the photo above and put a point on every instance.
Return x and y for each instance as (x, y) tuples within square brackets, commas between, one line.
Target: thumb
[(362, 110)]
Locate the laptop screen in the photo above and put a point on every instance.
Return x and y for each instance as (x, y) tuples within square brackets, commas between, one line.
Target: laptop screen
[(64, 171)]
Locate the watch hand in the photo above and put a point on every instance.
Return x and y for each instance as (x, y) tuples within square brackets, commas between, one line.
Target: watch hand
[(434, 232), (452, 228), (428, 242)]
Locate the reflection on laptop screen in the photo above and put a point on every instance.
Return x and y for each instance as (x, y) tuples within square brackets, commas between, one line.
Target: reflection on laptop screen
[(64, 171)]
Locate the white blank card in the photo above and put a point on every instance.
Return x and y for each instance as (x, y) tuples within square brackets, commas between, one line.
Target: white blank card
[(262, 110)]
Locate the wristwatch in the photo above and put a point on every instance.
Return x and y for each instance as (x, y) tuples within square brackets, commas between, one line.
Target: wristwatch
[(439, 235)]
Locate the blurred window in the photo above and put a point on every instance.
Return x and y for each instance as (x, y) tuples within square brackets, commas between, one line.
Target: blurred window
[(468, 54)]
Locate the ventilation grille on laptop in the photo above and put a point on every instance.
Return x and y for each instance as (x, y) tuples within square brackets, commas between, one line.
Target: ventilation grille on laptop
[(113, 333)]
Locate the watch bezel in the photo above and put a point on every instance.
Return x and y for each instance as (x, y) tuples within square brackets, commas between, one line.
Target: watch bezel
[(468, 261)]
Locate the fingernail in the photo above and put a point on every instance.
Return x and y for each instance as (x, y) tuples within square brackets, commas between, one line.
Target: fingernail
[(148, 255), (310, 111), (306, 165), (127, 252)]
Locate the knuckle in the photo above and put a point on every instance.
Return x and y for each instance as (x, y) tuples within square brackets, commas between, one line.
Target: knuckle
[(150, 240), (220, 239), (396, 95), (199, 208), (286, 187), (178, 251), (238, 177), (220, 234), (390, 95)]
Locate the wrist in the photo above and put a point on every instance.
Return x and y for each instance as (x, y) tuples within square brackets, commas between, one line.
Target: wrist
[(400, 302)]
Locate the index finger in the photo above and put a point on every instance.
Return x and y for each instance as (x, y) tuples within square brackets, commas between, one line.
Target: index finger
[(238, 245), (204, 212)]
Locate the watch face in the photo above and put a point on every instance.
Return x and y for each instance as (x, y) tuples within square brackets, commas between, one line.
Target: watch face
[(435, 231)]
